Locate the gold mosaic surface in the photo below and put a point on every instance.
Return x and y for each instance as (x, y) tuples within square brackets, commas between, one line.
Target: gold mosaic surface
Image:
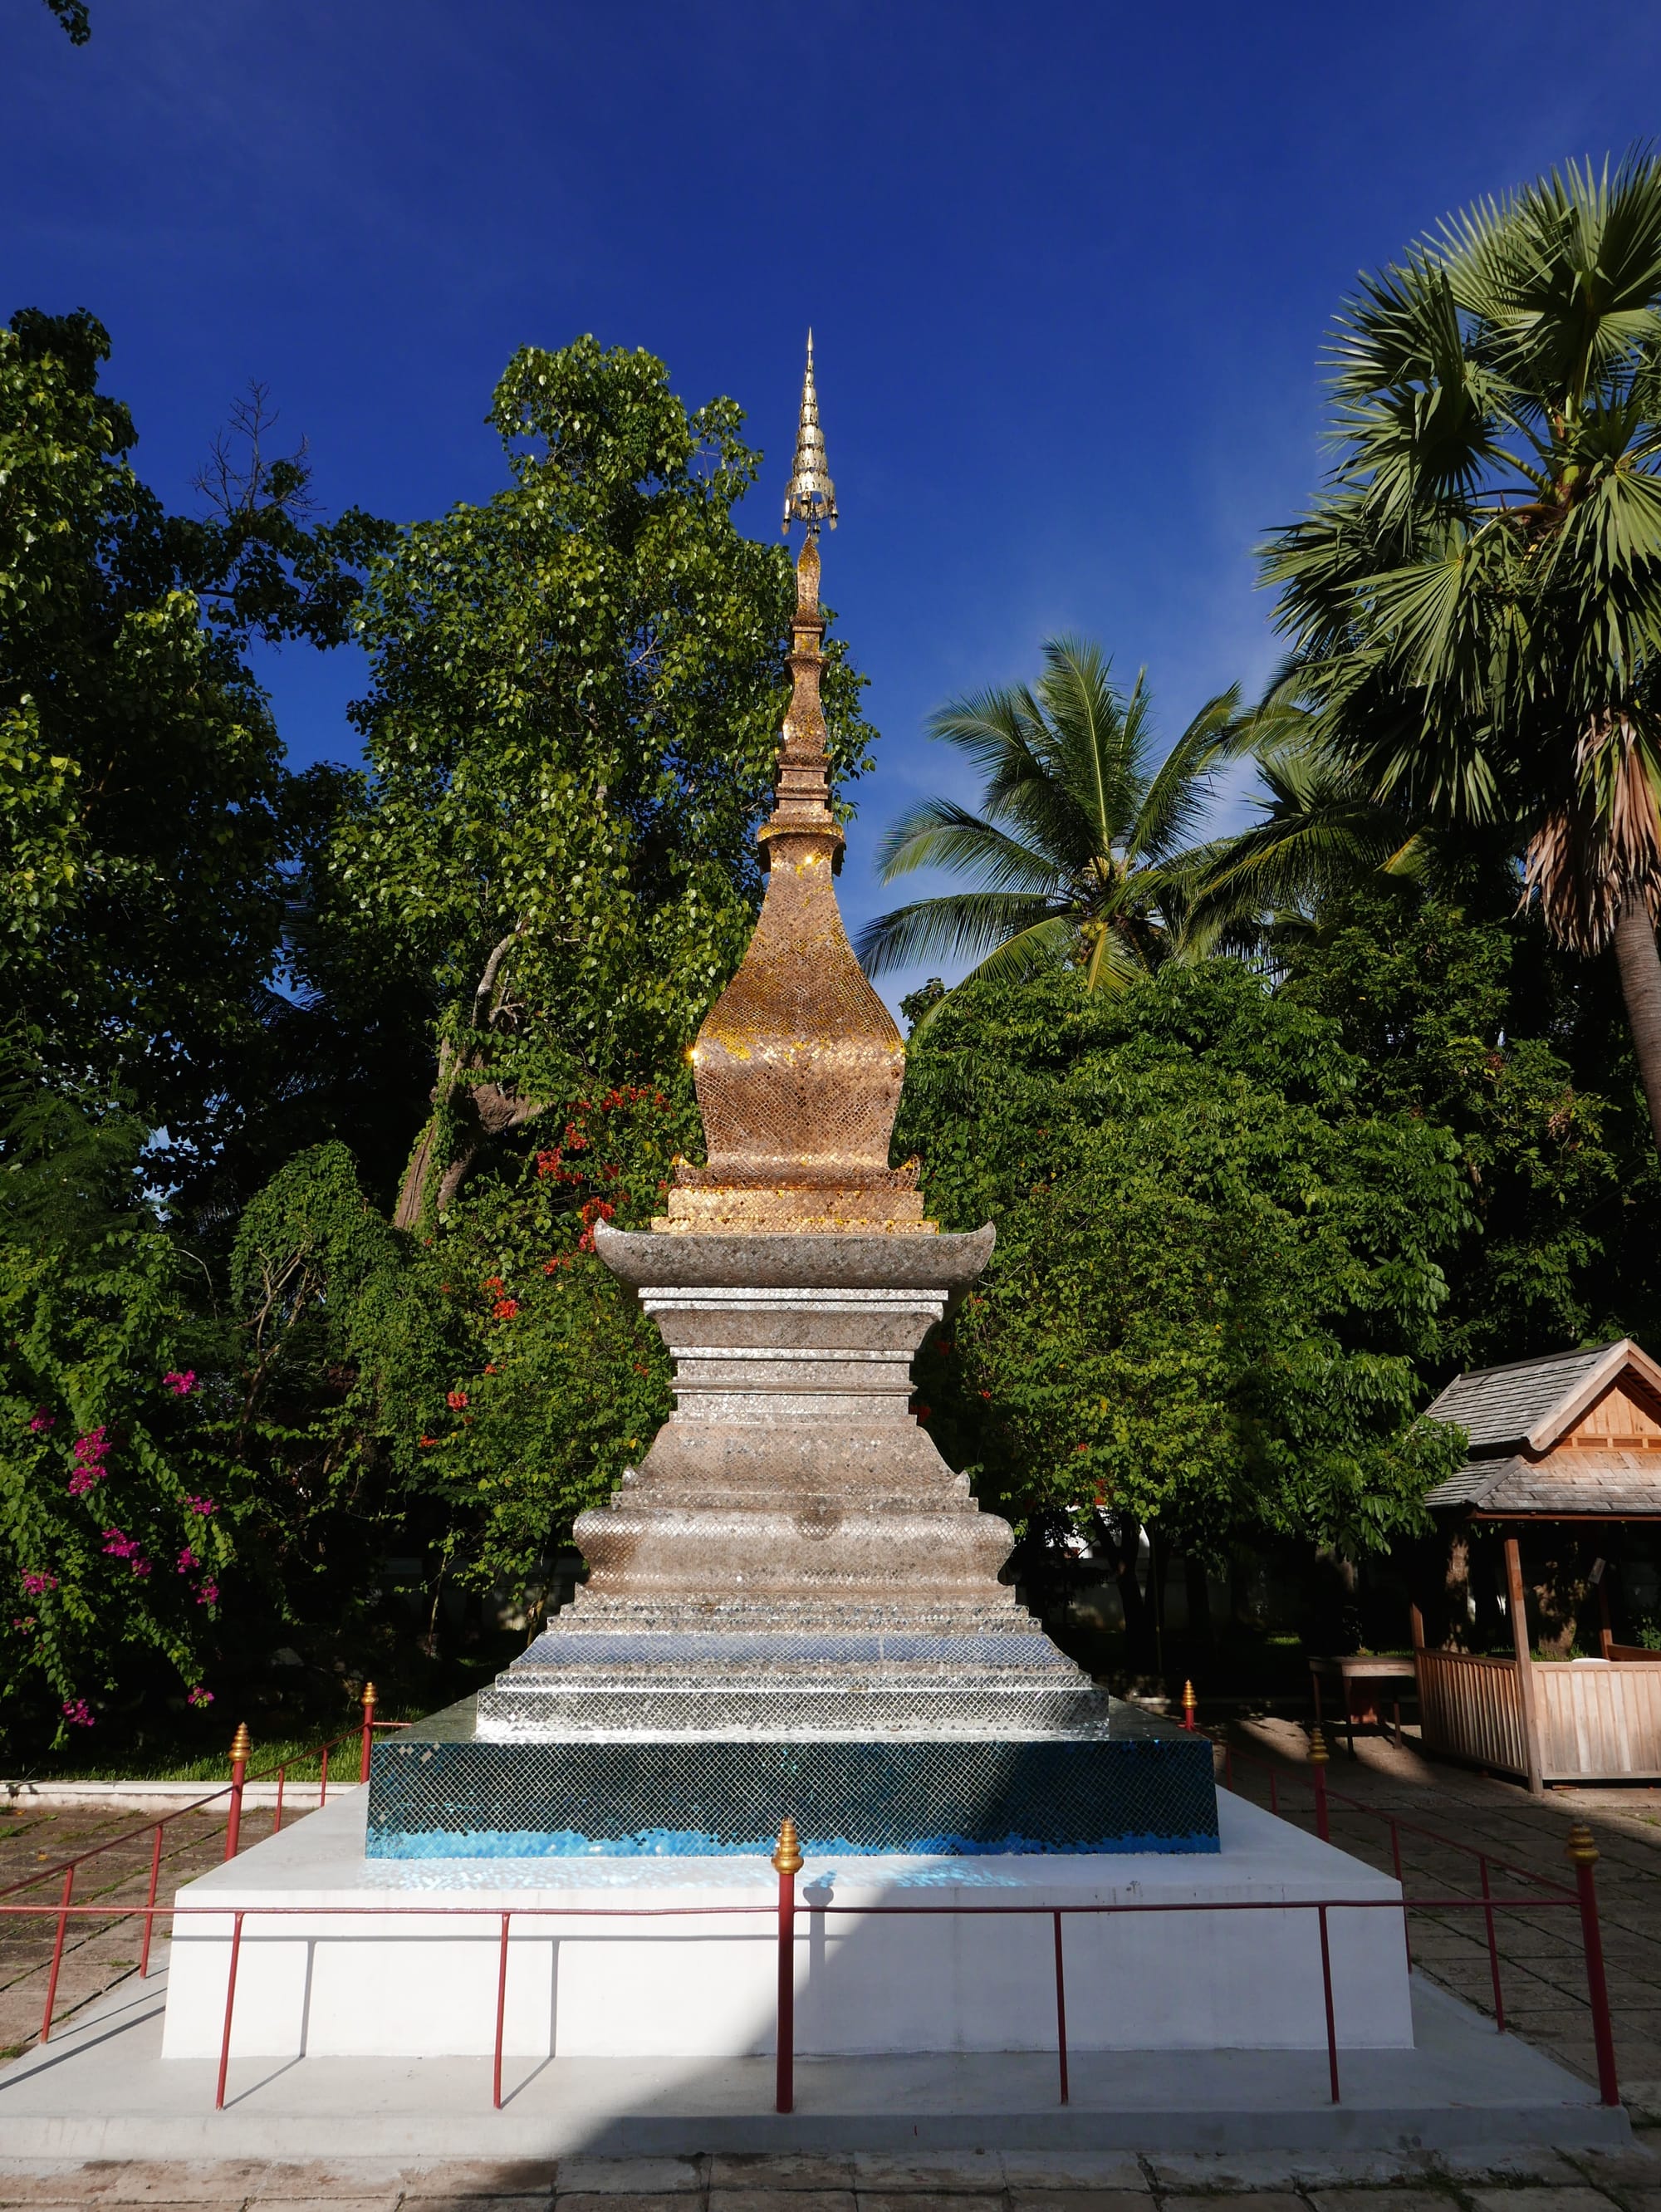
[(798, 1064)]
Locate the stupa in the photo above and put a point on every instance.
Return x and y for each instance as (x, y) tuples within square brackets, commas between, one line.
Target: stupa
[(794, 1609), (793, 1604)]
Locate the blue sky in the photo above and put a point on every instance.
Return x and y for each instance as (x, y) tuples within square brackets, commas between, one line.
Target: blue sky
[(1068, 268)]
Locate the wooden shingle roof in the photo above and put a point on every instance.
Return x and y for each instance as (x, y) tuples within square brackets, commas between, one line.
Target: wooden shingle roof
[(1527, 1454)]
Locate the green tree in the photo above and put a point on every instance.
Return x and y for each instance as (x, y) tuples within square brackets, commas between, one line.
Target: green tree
[(121, 1515), (578, 692), (1216, 1269), (142, 788), (72, 15), (1077, 854), (1478, 1024), (1475, 603)]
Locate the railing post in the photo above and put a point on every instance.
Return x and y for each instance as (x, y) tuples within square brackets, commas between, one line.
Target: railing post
[(323, 1779), (1189, 1701), (368, 1730), (283, 1783), (1318, 1755), (1061, 2009), (230, 2000), (149, 1902), (1582, 1856), (241, 1745), (1395, 1854), (787, 1862), (57, 1949), (1326, 1991), (502, 2015), (1493, 1947)]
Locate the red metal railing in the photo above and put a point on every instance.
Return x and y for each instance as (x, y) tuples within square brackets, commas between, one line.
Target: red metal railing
[(233, 1793), (1582, 1850)]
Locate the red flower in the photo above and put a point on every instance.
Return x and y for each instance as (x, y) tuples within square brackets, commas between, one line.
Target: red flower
[(504, 1310), (456, 1400)]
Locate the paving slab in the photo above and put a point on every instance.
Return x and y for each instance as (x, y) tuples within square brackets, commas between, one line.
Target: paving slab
[(975, 2169), (756, 2199), (634, 2176), (1080, 2170), (1077, 2200), (783, 2171), (1409, 2198)]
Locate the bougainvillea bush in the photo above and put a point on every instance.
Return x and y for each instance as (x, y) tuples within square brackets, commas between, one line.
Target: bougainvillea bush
[(121, 1515)]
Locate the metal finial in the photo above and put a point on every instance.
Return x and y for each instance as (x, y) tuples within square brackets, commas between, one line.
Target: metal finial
[(788, 1856), (811, 495)]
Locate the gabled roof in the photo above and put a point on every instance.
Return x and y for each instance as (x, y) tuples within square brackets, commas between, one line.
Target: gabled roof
[(1527, 1405), (1621, 1484)]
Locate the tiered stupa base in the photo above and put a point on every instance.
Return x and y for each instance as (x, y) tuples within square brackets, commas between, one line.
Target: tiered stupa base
[(861, 1669)]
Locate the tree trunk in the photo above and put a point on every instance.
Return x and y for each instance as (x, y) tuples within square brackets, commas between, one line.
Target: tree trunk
[(1123, 1541), (413, 1188), (1639, 963), (1196, 1587)]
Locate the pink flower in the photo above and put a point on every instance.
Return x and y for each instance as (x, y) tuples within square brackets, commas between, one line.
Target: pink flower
[(200, 1697), (38, 1585), (78, 1712), (90, 1453), (120, 1545), (181, 1385), (204, 1506), (43, 1421), (208, 1595), (187, 1559), (139, 1567)]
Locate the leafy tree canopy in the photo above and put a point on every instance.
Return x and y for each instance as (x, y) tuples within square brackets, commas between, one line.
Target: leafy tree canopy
[(578, 693), (1215, 1266), (141, 788)]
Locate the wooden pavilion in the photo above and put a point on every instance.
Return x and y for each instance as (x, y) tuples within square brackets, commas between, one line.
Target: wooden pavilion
[(1573, 1437)]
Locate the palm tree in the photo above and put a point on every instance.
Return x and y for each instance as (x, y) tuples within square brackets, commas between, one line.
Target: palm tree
[(1475, 604), (1076, 857), (1319, 834)]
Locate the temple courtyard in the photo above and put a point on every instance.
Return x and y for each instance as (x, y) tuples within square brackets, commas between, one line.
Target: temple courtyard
[(1542, 1984)]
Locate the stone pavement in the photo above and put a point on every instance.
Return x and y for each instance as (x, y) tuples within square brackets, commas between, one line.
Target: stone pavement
[(866, 2181), (1542, 1967), (1543, 1979), (96, 1954)]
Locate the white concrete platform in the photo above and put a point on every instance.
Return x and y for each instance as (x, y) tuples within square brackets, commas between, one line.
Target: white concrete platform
[(388, 1980), (102, 2090)]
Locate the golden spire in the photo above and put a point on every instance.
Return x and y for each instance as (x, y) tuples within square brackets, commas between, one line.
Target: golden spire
[(798, 1064), (810, 497)]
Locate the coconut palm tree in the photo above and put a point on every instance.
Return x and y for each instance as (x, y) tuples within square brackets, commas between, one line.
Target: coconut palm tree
[(1076, 857), (1475, 603), (1318, 832)]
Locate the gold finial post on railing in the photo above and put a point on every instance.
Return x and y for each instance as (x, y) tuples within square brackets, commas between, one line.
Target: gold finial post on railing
[(1582, 1854), (1189, 1702), (787, 1860), (369, 1704), (1318, 1756), (241, 1748)]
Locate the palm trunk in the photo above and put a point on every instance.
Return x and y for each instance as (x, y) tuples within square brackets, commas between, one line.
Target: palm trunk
[(1639, 963)]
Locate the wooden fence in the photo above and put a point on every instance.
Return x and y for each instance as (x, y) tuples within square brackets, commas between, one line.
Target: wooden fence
[(1598, 1720)]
